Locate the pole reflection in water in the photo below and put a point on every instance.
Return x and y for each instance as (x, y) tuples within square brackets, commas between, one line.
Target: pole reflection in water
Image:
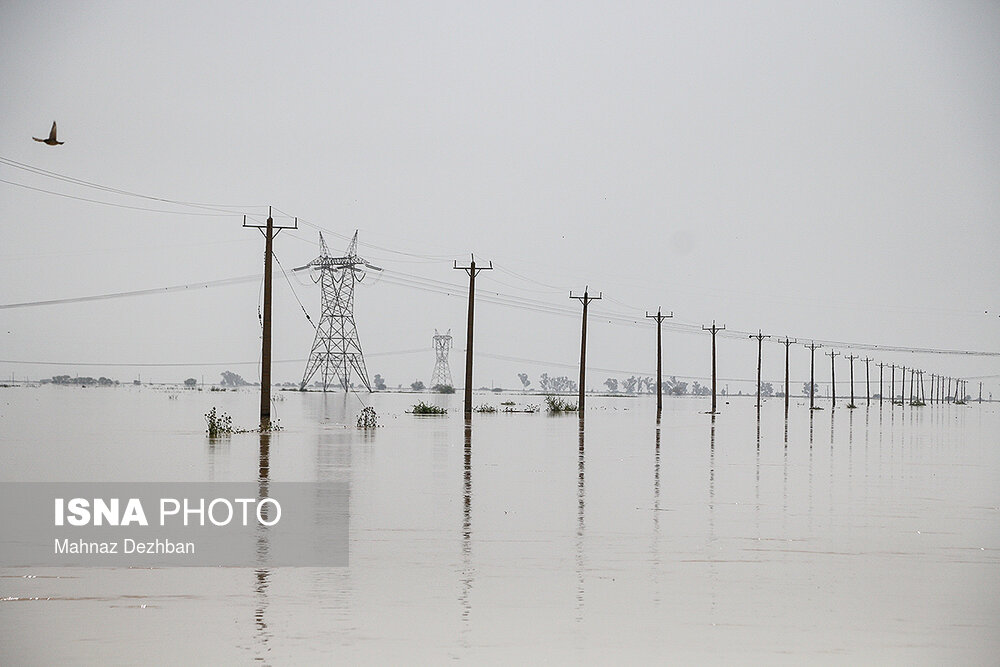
[(756, 510), (713, 574), (466, 529), (784, 489), (580, 510), (656, 519), (262, 574)]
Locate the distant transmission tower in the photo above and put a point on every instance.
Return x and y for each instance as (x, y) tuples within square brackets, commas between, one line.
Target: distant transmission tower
[(336, 349), (442, 372)]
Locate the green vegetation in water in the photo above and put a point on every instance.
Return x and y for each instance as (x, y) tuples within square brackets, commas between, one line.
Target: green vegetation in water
[(851, 406), (368, 418), (508, 403), (443, 389), (219, 423), (484, 408), (422, 408), (917, 404), (556, 404)]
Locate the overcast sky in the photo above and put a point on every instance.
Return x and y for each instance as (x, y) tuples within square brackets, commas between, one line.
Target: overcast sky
[(820, 170)]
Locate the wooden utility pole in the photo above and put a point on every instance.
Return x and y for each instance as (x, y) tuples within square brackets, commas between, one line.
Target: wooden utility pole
[(948, 394), (980, 392), (659, 317), (892, 387), (714, 329), (833, 378), (902, 386), (760, 343), (269, 230), (881, 368), (812, 373), (787, 342), (852, 357), (472, 270), (868, 386), (585, 300)]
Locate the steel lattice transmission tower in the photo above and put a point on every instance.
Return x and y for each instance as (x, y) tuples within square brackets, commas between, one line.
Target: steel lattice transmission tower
[(336, 350), (442, 371)]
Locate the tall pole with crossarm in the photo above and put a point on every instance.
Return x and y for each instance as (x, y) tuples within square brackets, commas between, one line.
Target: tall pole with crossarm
[(714, 330), (585, 300), (787, 342), (269, 230), (760, 343), (659, 317), (473, 271)]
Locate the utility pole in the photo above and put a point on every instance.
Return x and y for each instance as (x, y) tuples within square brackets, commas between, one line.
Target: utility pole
[(760, 343), (902, 387), (714, 329), (980, 392), (787, 342), (868, 387), (585, 300), (892, 387), (948, 395), (881, 369), (852, 357), (472, 270), (833, 378), (659, 317), (269, 230), (812, 373)]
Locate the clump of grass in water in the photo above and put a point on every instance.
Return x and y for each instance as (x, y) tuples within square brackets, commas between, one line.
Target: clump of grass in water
[(422, 408), (556, 404), (484, 408), (368, 418), (508, 403), (219, 423)]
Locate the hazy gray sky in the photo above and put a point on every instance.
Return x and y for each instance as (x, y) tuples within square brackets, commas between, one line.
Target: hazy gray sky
[(827, 170)]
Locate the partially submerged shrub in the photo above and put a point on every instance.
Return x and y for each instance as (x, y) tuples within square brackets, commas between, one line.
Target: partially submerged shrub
[(422, 408), (368, 418), (484, 408), (556, 404), (219, 423)]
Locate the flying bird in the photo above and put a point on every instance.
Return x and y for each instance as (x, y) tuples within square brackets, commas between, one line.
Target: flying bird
[(51, 141)]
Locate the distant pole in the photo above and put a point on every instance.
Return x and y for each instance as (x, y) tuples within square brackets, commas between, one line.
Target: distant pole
[(714, 329), (852, 357), (585, 300), (760, 343), (787, 342), (472, 270), (868, 388), (269, 231), (980, 392), (902, 386), (833, 378), (812, 373), (659, 317), (948, 395), (892, 387), (881, 368)]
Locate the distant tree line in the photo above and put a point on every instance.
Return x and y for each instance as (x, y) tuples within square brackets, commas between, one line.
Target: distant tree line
[(86, 380)]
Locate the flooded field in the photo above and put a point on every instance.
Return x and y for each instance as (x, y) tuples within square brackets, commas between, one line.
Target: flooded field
[(851, 536)]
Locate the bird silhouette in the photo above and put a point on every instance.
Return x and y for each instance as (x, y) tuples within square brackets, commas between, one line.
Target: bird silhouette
[(51, 141)]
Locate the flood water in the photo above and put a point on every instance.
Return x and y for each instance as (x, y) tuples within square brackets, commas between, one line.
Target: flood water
[(851, 536)]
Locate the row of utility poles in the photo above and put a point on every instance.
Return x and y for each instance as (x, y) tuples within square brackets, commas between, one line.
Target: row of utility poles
[(939, 391)]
